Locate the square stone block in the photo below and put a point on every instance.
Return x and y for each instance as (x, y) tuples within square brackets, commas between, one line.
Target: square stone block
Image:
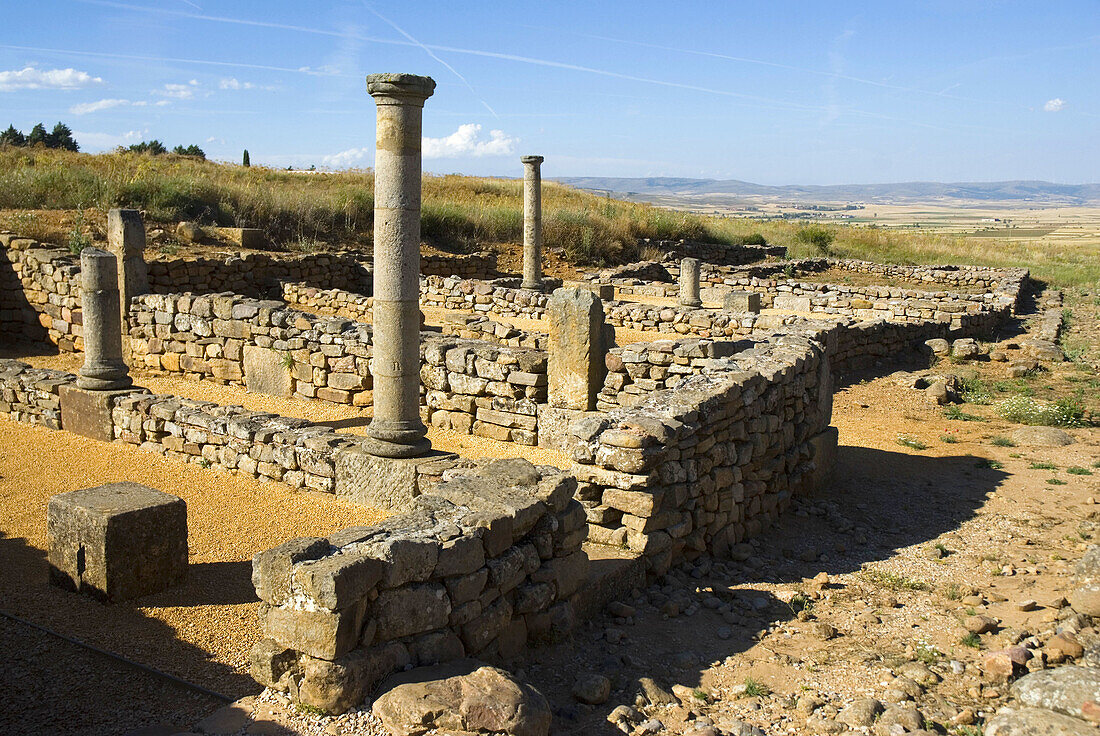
[(381, 482), (117, 541), (88, 413), (265, 372), (742, 301)]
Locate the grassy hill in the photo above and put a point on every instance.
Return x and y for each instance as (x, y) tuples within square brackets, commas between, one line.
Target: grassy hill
[(459, 213)]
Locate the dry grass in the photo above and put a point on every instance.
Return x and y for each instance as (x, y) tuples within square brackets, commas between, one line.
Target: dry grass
[(463, 213)]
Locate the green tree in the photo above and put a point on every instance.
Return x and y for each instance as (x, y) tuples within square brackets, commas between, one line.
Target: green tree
[(38, 136), (12, 137), (245, 162), (152, 148), (62, 137), (191, 150)]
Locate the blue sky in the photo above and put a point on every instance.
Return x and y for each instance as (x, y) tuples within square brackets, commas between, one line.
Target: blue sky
[(770, 92)]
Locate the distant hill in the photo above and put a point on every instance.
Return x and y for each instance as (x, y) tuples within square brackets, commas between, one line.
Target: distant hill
[(1044, 192)]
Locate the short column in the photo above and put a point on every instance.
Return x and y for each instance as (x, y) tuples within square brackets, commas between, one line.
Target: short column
[(689, 283), (104, 369), (126, 241), (532, 222), (396, 430), (576, 365)]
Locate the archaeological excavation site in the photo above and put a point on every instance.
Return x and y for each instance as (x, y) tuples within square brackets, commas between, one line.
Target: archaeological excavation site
[(370, 492)]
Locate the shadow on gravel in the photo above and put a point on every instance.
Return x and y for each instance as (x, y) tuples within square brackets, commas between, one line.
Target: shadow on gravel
[(208, 584), (60, 688), (878, 502)]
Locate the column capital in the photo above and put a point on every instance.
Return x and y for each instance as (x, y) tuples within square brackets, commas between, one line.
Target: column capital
[(532, 159), (404, 89)]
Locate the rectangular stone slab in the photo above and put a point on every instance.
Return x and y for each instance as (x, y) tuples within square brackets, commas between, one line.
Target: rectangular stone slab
[(265, 372), (117, 541)]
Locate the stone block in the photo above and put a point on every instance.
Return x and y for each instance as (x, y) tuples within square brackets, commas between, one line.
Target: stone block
[(381, 482), (117, 541), (318, 633), (742, 301), (265, 372), (88, 413), (787, 303), (576, 367)]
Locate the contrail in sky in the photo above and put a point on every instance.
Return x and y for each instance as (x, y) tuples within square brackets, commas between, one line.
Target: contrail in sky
[(432, 54)]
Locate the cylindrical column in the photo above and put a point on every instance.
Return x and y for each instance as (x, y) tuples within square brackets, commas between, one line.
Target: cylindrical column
[(532, 222), (396, 427), (104, 368), (689, 283)]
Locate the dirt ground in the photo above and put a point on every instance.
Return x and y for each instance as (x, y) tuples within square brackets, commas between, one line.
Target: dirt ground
[(927, 521)]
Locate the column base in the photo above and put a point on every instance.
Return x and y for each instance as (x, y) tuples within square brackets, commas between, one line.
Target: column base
[(691, 302), (384, 448), (533, 286)]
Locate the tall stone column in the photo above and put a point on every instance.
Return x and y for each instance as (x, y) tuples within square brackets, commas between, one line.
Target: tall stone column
[(689, 283), (104, 368), (396, 430), (532, 222), (126, 241)]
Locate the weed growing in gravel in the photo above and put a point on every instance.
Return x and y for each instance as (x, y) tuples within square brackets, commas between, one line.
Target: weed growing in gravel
[(908, 440), (893, 581), (1078, 470), (958, 415), (971, 640), (967, 731), (1043, 466), (953, 592), (700, 695), (1096, 464), (928, 654), (949, 439), (755, 689), (78, 239), (1001, 441), (1056, 481), (991, 464), (800, 602), (974, 391)]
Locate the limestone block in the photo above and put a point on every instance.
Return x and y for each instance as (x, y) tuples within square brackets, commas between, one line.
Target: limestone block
[(742, 301), (265, 372), (88, 413), (117, 541), (576, 368), (788, 303), (385, 483)]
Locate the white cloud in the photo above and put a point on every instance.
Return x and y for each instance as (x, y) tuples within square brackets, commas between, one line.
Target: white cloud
[(178, 91), (465, 142), (1055, 105), (234, 83), (86, 107), (97, 141), (31, 78), (350, 157)]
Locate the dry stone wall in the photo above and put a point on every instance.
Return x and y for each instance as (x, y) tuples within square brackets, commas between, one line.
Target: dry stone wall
[(40, 294), (31, 395), (728, 255), (699, 468), (258, 274), (449, 292), (481, 265), (487, 561)]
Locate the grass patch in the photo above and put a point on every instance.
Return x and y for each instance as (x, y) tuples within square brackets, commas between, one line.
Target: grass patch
[(1065, 412), (1043, 466), (893, 581), (1002, 441), (755, 689), (989, 464), (907, 440), (974, 391), (949, 439), (1056, 481), (1078, 470), (956, 414), (971, 640)]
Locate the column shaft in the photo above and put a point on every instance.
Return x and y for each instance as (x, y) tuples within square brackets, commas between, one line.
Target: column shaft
[(532, 222)]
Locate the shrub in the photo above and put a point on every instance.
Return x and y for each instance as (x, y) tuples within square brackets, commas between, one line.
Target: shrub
[(906, 440), (819, 237), (756, 239)]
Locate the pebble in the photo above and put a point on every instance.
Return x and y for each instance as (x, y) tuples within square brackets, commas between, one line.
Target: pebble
[(1028, 605)]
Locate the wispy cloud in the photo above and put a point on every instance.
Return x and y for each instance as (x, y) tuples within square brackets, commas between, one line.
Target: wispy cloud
[(467, 141), (87, 107), (1055, 105), (432, 54), (234, 83), (31, 78), (107, 140), (350, 157), (179, 91)]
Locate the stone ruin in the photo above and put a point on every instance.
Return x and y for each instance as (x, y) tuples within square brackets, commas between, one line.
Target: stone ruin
[(681, 446)]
